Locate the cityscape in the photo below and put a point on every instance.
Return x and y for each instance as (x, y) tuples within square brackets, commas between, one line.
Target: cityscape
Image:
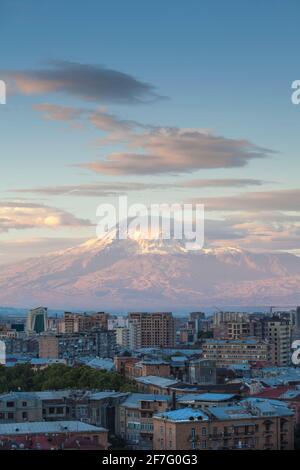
[(223, 381), (149, 231)]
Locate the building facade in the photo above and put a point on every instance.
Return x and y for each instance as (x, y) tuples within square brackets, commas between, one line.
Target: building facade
[(151, 330)]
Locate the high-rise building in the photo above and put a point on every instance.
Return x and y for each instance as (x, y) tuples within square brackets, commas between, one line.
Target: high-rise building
[(278, 333), (223, 317), (37, 320), (122, 337), (82, 322), (151, 330)]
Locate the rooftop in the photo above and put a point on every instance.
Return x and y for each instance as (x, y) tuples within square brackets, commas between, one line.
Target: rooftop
[(268, 407), (47, 427), (155, 380), (184, 414), (214, 397), (98, 363), (232, 341), (230, 412), (134, 399)]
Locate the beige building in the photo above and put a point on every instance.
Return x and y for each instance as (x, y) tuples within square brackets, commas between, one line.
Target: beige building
[(227, 352), (136, 418), (278, 333), (19, 407), (252, 425), (78, 322), (151, 330), (122, 337)]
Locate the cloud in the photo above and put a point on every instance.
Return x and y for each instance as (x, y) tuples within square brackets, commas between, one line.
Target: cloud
[(174, 151), (91, 189), (116, 129), (223, 183), (55, 112), (89, 82), (117, 188), (262, 231), (278, 200), (148, 149), (23, 215)]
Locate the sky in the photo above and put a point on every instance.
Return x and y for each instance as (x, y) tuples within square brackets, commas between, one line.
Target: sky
[(162, 101)]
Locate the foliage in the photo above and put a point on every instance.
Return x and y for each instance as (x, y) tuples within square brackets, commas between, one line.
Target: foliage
[(59, 376)]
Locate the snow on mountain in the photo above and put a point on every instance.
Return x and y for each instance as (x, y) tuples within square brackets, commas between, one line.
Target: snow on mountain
[(138, 273)]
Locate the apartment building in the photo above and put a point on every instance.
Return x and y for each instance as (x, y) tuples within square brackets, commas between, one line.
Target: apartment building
[(227, 352), (224, 317), (233, 330), (151, 330), (100, 343), (82, 322), (123, 337), (155, 385), (53, 436), (136, 418), (20, 407), (278, 333), (252, 424), (202, 371)]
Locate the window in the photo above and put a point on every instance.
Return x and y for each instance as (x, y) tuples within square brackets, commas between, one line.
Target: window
[(24, 415), (10, 415), (203, 432), (10, 404), (24, 404)]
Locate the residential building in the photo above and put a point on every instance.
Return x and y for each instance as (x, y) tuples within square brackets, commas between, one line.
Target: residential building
[(151, 330), (123, 337), (202, 371), (54, 435), (100, 343), (278, 333), (223, 317), (155, 385), (20, 407), (251, 424), (206, 400), (82, 322), (227, 352), (136, 413)]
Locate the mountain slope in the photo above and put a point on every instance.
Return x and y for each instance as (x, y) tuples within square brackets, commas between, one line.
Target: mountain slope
[(150, 274)]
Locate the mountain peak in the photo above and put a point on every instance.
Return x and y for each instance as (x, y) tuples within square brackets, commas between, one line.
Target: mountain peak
[(153, 273)]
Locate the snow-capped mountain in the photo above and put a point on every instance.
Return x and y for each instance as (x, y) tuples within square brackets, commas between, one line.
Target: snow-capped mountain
[(138, 273)]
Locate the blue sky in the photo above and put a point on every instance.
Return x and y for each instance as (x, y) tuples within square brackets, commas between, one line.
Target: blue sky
[(224, 67)]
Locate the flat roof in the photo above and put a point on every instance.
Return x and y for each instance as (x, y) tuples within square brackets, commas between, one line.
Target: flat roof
[(207, 397), (184, 414), (155, 380), (230, 412), (45, 427), (134, 399)]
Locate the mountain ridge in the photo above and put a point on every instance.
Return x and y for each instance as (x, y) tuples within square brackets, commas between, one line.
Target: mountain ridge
[(148, 274)]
